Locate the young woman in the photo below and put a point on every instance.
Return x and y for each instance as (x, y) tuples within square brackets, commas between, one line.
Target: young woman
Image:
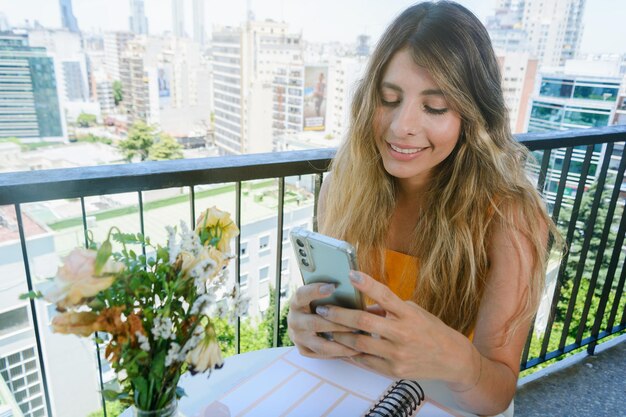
[(451, 236)]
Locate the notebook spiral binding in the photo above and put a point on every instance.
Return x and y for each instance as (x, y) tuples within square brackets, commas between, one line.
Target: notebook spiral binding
[(400, 400)]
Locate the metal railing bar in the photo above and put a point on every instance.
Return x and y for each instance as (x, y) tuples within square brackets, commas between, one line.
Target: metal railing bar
[(279, 258), (33, 307), (619, 240), (617, 299), (49, 184), (192, 203), (238, 261), (545, 161), (615, 255), (44, 185), (591, 222), (557, 287), (95, 335), (570, 138), (141, 222), (318, 186), (526, 351)]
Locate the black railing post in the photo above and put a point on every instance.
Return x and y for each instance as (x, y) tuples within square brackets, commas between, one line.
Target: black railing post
[(238, 261), (95, 336), (33, 308), (279, 259)]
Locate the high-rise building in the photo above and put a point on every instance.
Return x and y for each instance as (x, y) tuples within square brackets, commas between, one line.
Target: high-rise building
[(178, 18), (28, 89), (166, 81), (114, 46), (199, 30), (519, 71), (245, 60), (67, 16), (70, 61), (551, 30), (138, 23)]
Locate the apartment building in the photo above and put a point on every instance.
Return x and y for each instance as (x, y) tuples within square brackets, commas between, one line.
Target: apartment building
[(245, 60), (28, 89)]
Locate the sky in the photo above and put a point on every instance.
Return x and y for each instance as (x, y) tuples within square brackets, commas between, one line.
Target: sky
[(319, 20)]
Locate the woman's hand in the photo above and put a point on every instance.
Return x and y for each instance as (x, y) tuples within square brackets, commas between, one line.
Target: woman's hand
[(408, 342), (305, 327)]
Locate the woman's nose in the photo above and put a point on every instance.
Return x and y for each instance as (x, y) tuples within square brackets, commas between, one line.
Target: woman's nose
[(406, 120)]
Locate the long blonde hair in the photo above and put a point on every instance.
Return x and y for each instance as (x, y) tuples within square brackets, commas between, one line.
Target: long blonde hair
[(481, 182)]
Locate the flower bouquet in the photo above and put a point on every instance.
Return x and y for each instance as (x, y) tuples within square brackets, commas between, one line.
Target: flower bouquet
[(156, 308)]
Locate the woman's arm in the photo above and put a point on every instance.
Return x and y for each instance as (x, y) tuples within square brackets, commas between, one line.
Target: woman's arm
[(304, 327), (415, 344)]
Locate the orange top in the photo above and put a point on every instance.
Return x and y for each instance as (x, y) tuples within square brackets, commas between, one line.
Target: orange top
[(400, 274)]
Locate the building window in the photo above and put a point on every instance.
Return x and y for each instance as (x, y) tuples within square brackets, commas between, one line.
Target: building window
[(243, 281), (284, 265), (264, 273), (14, 320), (264, 243), (243, 251)]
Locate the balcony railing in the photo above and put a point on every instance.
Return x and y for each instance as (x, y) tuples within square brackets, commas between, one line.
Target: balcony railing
[(584, 301)]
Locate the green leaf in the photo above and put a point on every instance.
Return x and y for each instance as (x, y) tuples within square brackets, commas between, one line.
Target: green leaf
[(128, 238), (31, 295), (102, 256), (112, 395)]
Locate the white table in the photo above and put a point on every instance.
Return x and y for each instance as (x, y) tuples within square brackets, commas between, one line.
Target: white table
[(202, 389)]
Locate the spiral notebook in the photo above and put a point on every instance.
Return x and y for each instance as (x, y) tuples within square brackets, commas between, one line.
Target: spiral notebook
[(297, 386)]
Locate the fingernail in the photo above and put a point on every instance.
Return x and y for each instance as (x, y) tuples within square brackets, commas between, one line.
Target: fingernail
[(327, 289), (356, 277), (322, 310)]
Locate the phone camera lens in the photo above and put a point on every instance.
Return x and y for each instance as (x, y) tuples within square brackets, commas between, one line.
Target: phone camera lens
[(304, 262), (300, 243), (301, 252)]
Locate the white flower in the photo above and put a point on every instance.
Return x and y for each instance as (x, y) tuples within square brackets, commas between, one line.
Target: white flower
[(172, 246), (162, 328), (190, 242), (202, 303), (173, 354), (206, 354), (144, 342)]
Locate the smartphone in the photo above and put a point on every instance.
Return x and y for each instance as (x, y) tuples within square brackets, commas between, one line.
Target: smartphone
[(325, 259)]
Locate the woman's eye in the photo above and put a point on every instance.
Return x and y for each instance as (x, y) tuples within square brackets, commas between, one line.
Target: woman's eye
[(435, 111), (389, 101)]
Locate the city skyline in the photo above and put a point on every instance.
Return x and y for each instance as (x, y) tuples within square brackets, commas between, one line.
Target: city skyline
[(328, 21)]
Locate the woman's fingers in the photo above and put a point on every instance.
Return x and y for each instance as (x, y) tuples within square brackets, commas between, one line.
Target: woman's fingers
[(307, 293), (378, 292)]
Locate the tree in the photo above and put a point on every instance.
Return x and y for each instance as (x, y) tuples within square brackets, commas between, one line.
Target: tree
[(139, 141), (118, 94), (268, 322), (165, 147), (86, 119)]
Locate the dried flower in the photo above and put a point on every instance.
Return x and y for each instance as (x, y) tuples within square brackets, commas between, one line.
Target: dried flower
[(77, 279), (79, 323)]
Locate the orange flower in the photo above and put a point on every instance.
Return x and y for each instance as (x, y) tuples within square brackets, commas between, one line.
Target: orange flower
[(81, 324)]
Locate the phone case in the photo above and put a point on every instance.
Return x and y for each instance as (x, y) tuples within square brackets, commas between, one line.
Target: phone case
[(325, 259)]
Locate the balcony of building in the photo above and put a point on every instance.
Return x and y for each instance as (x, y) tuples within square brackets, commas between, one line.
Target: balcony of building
[(46, 213)]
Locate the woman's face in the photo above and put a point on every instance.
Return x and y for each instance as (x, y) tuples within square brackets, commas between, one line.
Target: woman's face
[(415, 127)]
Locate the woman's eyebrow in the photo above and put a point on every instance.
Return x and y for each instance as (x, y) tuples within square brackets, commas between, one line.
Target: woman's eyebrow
[(391, 86), (427, 92)]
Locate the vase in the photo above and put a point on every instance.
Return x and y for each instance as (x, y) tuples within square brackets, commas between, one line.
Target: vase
[(170, 410)]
